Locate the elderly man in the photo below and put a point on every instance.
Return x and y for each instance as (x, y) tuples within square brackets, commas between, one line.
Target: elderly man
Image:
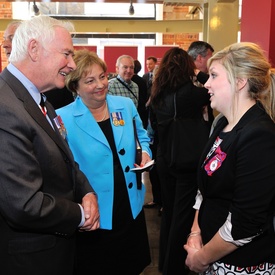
[(122, 84), (8, 36), (57, 97), (44, 197)]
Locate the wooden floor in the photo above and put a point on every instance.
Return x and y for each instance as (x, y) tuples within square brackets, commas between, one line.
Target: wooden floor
[(153, 227)]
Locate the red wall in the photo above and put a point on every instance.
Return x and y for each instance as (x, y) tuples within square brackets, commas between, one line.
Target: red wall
[(90, 48), (258, 25), (111, 54), (156, 51)]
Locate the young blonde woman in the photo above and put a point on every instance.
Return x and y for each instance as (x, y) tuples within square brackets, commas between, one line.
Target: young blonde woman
[(233, 228)]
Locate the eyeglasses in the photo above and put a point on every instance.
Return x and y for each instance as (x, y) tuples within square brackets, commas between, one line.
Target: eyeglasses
[(127, 67)]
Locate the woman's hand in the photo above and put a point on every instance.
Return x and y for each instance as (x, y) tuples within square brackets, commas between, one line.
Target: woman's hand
[(193, 260), (144, 159), (194, 240)]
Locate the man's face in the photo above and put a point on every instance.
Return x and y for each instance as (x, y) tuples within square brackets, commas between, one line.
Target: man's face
[(126, 69), (201, 61), (56, 60), (8, 36), (150, 64)]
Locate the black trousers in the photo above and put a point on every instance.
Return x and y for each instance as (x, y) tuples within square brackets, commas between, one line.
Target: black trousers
[(154, 178), (178, 197)]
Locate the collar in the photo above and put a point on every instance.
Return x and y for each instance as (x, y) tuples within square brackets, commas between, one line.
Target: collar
[(35, 94), (130, 85)]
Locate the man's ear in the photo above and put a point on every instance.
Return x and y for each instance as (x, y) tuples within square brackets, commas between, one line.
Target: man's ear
[(199, 58), (33, 49)]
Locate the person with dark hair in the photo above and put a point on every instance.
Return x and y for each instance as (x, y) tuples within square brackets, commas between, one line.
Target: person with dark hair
[(174, 96), (151, 63), (233, 230), (142, 94), (200, 51)]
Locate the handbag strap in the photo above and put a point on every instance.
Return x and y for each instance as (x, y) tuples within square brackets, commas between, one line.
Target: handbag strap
[(175, 106), (127, 88), (135, 134)]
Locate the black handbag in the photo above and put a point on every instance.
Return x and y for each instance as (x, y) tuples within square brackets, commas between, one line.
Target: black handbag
[(182, 140)]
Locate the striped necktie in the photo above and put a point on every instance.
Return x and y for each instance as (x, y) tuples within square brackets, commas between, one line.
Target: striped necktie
[(42, 106)]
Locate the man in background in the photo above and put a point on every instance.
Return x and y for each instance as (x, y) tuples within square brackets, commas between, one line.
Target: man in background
[(142, 94), (122, 84), (8, 36), (151, 63), (44, 197), (200, 51)]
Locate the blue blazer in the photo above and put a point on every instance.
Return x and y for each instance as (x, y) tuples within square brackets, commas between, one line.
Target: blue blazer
[(94, 155)]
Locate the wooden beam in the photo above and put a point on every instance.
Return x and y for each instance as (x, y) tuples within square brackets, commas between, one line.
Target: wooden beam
[(131, 26)]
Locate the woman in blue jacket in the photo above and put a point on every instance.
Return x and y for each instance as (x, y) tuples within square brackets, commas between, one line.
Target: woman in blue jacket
[(100, 134)]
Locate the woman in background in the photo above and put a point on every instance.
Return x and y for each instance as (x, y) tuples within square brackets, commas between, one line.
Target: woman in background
[(174, 81), (100, 134)]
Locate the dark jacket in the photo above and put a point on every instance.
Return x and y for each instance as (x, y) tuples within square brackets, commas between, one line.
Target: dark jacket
[(190, 101), (59, 97), (243, 184), (142, 99), (181, 141), (40, 187)]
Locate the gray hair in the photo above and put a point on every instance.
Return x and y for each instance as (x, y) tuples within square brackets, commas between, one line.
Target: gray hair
[(41, 28), (124, 56), (14, 24), (199, 48)]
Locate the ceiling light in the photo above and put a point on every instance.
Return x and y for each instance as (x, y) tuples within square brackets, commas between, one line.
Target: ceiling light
[(35, 9), (131, 9)]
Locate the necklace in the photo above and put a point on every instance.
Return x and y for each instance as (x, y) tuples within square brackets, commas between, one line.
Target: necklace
[(105, 113)]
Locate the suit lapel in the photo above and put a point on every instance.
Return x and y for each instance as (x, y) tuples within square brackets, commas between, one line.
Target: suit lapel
[(116, 107), (85, 121), (31, 107)]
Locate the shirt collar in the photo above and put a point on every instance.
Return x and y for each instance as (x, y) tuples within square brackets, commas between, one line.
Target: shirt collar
[(35, 94), (128, 84)]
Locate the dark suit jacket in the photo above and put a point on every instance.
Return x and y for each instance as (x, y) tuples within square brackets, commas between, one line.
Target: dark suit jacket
[(59, 97), (40, 185), (146, 77), (142, 99)]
